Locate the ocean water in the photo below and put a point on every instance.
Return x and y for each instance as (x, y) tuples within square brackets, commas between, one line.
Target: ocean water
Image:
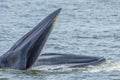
[(87, 27)]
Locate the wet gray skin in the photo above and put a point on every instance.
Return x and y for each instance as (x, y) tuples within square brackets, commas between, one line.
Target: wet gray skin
[(26, 50)]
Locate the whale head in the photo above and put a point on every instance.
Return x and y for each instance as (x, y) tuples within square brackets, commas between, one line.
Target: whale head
[(26, 50)]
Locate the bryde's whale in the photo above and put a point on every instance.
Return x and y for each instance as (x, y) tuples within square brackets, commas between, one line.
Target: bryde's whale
[(27, 49)]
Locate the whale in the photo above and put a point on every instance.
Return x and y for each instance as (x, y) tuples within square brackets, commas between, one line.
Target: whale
[(26, 52)]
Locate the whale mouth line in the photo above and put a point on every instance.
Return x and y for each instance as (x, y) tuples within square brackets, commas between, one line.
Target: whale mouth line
[(70, 59)]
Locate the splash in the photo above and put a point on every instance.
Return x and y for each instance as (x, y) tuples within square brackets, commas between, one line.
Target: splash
[(107, 66)]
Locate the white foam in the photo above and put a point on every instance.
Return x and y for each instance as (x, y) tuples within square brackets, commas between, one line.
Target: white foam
[(108, 66)]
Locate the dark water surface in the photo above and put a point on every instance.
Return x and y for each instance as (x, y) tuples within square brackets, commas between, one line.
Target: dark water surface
[(87, 27)]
